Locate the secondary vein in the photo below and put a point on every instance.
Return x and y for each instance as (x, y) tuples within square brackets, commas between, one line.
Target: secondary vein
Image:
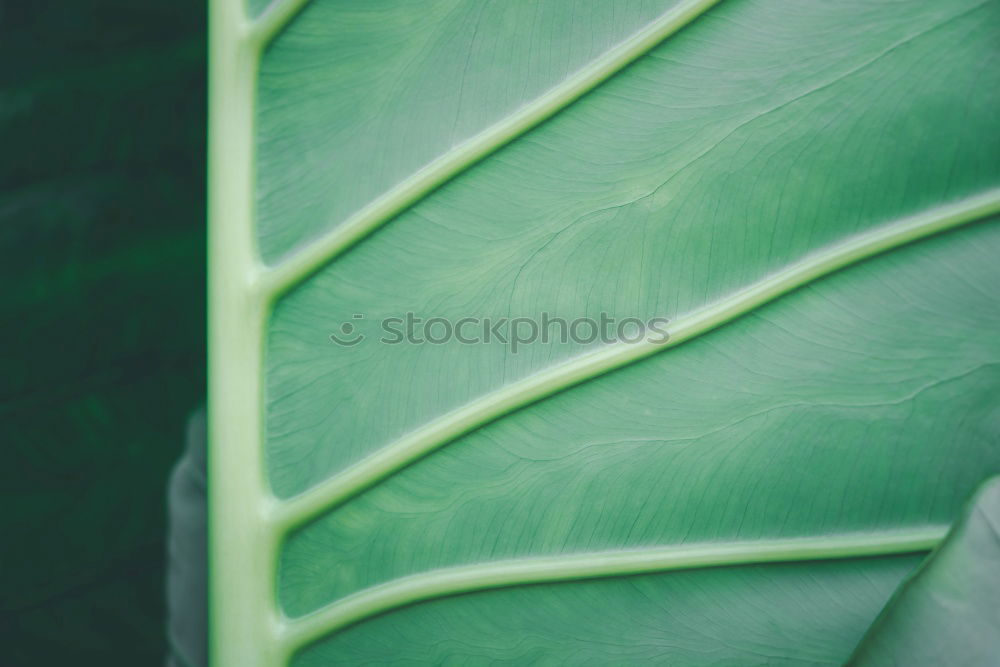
[(433, 435), (281, 278), (277, 15), (378, 599)]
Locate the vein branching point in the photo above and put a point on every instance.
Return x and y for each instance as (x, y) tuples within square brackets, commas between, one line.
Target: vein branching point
[(248, 524)]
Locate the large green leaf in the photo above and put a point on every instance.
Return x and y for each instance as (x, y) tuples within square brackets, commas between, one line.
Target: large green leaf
[(688, 159)]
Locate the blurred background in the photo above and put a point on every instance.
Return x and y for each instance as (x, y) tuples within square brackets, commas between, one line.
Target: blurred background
[(102, 221)]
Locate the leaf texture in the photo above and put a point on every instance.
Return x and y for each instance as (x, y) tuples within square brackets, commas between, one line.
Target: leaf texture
[(759, 615), (750, 493), (365, 93), (834, 410), (699, 170), (947, 613)]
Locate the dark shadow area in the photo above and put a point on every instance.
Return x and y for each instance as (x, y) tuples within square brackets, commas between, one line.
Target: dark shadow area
[(102, 254)]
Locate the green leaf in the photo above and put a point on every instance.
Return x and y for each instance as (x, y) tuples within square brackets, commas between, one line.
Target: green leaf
[(947, 613), (751, 490)]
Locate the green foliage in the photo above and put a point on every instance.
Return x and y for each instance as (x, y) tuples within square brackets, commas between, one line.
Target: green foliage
[(948, 613), (751, 492)]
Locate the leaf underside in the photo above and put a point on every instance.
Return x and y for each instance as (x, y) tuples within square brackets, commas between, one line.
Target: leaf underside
[(765, 134), (948, 613)]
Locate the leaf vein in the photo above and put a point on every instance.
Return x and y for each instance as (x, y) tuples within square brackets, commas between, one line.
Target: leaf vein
[(382, 598), (435, 434)]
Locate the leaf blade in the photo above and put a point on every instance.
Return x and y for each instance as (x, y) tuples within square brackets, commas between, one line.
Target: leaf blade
[(947, 611)]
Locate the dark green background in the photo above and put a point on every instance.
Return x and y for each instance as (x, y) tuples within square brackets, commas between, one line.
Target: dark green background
[(102, 127)]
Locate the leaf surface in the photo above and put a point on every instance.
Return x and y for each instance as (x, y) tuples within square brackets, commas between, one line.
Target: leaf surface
[(947, 613), (751, 492)]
